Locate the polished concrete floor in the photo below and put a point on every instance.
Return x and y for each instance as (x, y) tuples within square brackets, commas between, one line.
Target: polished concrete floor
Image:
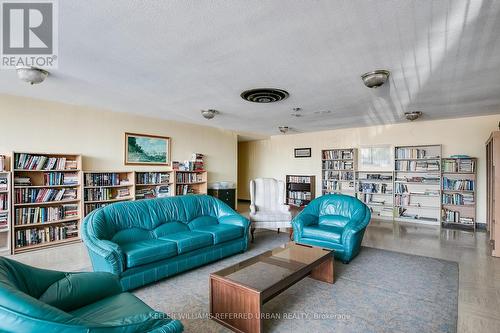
[(479, 284)]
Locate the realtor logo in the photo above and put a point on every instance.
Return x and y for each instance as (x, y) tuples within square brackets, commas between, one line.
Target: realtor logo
[(29, 34)]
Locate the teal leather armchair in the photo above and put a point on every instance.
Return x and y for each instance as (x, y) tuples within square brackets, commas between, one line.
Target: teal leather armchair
[(40, 300), (148, 240), (335, 222)]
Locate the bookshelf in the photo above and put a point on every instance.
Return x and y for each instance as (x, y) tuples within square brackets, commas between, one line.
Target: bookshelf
[(458, 189), (337, 170), (46, 201), (376, 190), (300, 190), (417, 184), (147, 184), (5, 206), (190, 182), (102, 188)]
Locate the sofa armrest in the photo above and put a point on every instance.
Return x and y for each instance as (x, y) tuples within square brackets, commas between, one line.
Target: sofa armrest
[(235, 219), (106, 256), (353, 230), (302, 220)]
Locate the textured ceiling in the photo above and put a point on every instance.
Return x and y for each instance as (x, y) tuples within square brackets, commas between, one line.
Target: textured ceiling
[(169, 59)]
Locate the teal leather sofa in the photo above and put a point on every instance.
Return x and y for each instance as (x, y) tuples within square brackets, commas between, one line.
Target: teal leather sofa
[(335, 222), (34, 300), (147, 240)]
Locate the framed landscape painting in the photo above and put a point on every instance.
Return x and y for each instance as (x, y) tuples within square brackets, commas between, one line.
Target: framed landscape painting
[(142, 149)]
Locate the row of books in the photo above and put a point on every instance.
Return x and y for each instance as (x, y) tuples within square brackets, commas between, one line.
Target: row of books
[(40, 162), (414, 153), (459, 165), (299, 195), (337, 154), (458, 184), (152, 178), (188, 177), (299, 179), (335, 175), (4, 183), (96, 194), (297, 202), (60, 178), (4, 201), (35, 195), (334, 185), (424, 180), (455, 217), (374, 188), (185, 189), (418, 166), (458, 199), (376, 176), (195, 165), (33, 236), (145, 193), (93, 206), (4, 219), (30, 215), (338, 165), (104, 179)]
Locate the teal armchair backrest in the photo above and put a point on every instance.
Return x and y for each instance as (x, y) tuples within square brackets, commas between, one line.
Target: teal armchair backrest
[(337, 210)]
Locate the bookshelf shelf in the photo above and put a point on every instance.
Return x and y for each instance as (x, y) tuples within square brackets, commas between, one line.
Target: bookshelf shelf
[(300, 190), (153, 184), (338, 167), (424, 161), (190, 182), (105, 187), (45, 184), (375, 189)]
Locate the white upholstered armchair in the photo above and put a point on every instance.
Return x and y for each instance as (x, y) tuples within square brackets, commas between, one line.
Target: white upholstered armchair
[(267, 208)]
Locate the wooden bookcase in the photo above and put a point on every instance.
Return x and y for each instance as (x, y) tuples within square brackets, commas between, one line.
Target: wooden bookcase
[(5, 210), (376, 190), (147, 182), (337, 168), (493, 191), (459, 192), (417, 184), (300, 190), (46, 202), (104, 187), (190, 182)]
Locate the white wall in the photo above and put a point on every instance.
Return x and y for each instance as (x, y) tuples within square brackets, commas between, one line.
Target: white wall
[(274, 157), (41, 126)]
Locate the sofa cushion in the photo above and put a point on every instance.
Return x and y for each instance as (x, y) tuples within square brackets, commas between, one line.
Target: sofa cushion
[(169, 228), (79, 289), (131, 235), (189, 240), (202, 221), (333, 220), (222, 232), (323, 232), (147, 251)]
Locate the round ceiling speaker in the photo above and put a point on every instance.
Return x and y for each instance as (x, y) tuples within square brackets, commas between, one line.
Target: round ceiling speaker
[(376, 78), (209, 114), (264, 95)]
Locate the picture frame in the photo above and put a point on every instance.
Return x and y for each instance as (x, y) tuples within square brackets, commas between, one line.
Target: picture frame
[(145, 149), (302, 152)]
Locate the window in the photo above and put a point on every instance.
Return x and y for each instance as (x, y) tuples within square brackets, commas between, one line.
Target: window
[(376, 158)]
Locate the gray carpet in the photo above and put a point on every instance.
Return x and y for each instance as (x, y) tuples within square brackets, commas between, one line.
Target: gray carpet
[(379, 291)]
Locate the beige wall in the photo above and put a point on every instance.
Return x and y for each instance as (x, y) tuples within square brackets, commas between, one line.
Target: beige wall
[(274, 157), (41, 126)]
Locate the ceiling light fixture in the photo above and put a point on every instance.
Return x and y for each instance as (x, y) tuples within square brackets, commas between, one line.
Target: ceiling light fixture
[(414, 115), (283, 129), (209, 114), (32, 75), (376, 78)]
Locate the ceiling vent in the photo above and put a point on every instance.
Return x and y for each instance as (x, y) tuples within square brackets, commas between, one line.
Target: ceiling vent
[(264, 95)]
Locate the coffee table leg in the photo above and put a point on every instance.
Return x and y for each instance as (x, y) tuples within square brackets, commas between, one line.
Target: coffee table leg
[(324, 271), (235, 307)]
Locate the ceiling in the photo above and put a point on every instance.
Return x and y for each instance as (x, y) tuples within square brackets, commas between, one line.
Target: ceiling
[(169, 59)]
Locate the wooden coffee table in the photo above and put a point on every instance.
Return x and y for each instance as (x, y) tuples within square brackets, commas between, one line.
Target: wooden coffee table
[(238, 292)]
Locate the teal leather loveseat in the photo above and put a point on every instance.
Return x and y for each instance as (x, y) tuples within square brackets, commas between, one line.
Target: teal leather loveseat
[(335, 222), (147, 240), (34, 300)]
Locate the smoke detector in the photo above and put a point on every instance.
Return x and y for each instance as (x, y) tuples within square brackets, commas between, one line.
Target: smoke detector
[(376, 78), (32, 75), (414, 115), (264, 95), (283, 129), (209, 114)]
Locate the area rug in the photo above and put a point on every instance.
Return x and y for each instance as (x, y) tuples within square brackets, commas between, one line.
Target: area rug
[(379, 291)]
